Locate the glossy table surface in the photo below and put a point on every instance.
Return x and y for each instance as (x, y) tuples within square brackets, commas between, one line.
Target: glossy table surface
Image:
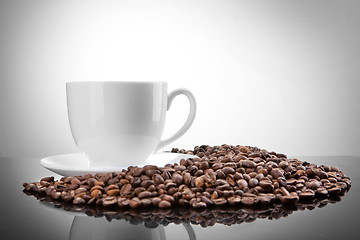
[(25, 217)]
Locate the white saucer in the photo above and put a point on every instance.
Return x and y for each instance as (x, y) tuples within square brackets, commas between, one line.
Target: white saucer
[(75, 164)]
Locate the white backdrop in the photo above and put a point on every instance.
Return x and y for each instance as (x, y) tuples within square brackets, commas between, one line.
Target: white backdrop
[(281, 75)]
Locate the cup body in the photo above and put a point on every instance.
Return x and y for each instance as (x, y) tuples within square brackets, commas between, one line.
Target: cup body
[(116, 123)]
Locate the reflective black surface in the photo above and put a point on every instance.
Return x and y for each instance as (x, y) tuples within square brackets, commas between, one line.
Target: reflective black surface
[(24, 216)]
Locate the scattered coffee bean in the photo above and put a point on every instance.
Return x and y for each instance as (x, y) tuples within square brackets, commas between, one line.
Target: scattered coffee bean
[(164, 204), (215, 176)]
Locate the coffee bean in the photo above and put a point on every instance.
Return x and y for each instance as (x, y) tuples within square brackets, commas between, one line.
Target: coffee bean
[(80, 190), (125, 190), (67, 197), (199, 182), (167, 198), (228, 170), (199, 205), (314, 185), (113, 181), (135, 202), (47, 179), (108, 201), (164, 204), (276, 173), (146, 202), (289, 199), (248, 163), (223, 175), (283, 164), (55, 195), (334, 191), (156, 201), (113, 192), (99, 183), (234, 200), (253, 182), (177, 178), (157, 179), (307, 194), (219, 201), (248, 201), (220, 174), (78, 201), (204, 165), (145, 194), (206, 200), (96, 193), (242, 183)]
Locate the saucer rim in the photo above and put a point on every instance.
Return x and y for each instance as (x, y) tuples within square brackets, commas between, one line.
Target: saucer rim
[(47, 163)]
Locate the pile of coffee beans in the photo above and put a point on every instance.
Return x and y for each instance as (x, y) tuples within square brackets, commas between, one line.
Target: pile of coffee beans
[(216, 176), (205, 217)]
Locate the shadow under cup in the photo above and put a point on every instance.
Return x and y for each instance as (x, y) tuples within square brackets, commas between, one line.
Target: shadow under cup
[(117, 123)]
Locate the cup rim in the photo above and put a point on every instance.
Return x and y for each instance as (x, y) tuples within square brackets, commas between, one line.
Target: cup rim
[(115, 82)]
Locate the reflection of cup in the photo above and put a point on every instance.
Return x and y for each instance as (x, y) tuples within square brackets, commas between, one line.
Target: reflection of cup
[(84, 227), (121, 123)]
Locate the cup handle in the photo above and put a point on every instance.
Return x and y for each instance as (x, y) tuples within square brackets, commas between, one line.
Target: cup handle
[(189, 120)]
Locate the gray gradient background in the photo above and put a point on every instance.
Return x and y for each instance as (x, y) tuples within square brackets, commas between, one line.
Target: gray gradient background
[(281, 75)]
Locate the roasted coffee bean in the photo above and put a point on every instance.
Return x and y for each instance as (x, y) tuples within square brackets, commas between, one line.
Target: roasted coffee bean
[(47, 179), (135, 202), (276, 173), (228, 193), (219, 175), (156, 201), (146, 202), (113, 192), (78, 201), (334, 191), (247, 163), (125, 190), (99, 183), (206, 200), (282, 181), (307, 194), (219, 201), (187, 178), (96, 193), (248, 201), (234, 200), (242, 184), (177, 178), (113, 181), (158, 179), (67, 197), (228, 170), (80, 190), (55, 195), (164, 204), (145, 194), (199, 182), (253, 182), (289, 199), (108, 201), (314, 185), (150, 170), (198, 173), (110, 187)]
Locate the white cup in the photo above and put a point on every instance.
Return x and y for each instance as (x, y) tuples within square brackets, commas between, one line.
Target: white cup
[(118, 124)]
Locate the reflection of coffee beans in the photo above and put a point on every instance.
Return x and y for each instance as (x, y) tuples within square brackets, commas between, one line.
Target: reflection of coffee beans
[(216, 176), (152, 217)]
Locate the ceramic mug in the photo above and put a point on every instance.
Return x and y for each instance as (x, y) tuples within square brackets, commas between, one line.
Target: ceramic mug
[(118, 124)]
